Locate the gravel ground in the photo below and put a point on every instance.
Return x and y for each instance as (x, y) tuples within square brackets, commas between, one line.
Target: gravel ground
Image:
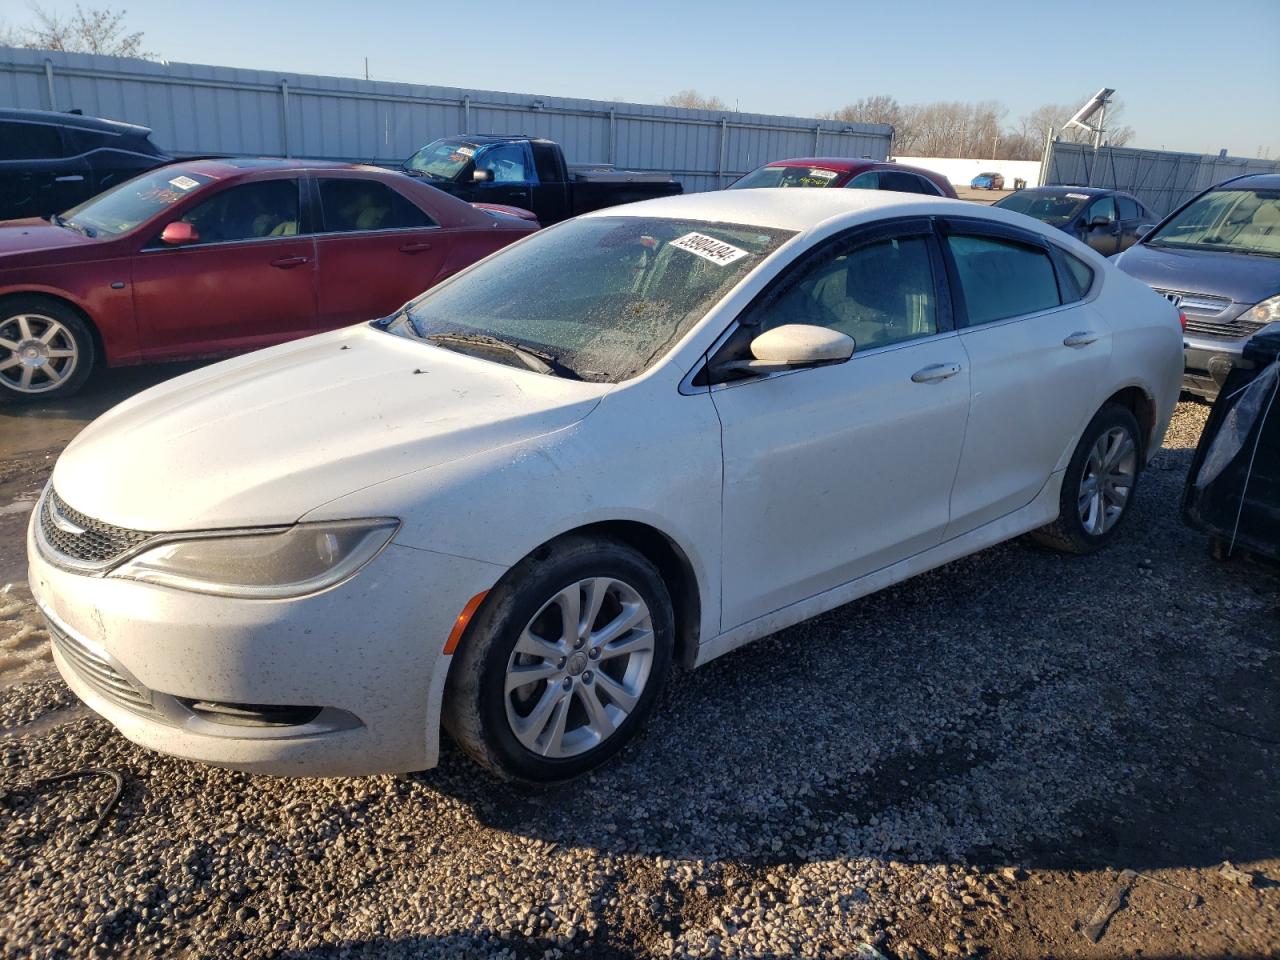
[(956, 766)]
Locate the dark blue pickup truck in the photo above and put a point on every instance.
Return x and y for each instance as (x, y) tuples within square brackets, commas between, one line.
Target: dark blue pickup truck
[(530, 173)]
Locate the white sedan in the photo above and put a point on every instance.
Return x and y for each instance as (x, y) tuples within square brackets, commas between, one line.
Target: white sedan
[(646, 435)]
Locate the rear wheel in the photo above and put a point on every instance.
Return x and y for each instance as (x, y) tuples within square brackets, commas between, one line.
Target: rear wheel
[(1099, 484), (563, 663), (46, 349)]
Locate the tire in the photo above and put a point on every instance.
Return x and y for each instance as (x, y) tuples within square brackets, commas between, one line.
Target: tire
[(1078, 528), (553, 727), (46, 349)]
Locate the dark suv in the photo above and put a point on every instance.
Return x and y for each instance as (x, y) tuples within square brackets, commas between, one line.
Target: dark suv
[(1217, 257), (50, 162)]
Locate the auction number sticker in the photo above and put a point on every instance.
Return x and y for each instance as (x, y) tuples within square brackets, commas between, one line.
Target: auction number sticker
[(466, 151), (1078, 196), (822, 174), (709, 248), (184, 183)]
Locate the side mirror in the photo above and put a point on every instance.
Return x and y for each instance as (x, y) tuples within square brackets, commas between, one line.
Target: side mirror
[(1100, 220), (179, 233), (791, 346), (482, 176), (1144, 229)]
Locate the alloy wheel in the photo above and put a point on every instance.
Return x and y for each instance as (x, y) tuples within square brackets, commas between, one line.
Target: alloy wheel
[(1107, 480), (579, 667), (37, 353)]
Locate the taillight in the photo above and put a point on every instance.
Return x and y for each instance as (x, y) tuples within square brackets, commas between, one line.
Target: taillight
[(1182, 319)]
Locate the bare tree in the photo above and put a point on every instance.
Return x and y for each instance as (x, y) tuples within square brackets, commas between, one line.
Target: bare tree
[(87, 30), (693, 100)]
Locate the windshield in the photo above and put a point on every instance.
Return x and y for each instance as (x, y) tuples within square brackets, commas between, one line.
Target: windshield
[(1052, 208), (1234, 221), (600, 298), (135, 201), (442, 159), (788, 177)]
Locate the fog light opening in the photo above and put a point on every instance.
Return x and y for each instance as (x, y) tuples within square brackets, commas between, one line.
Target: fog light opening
[(251, 714)]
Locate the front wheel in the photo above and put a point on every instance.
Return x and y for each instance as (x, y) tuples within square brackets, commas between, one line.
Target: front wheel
[(563, 663), (46, 349), (1099, 484)]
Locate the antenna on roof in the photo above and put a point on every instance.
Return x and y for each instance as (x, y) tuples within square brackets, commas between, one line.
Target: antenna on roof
[(1095, 104)]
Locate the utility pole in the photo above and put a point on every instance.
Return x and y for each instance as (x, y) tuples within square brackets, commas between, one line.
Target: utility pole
[(366, 68)]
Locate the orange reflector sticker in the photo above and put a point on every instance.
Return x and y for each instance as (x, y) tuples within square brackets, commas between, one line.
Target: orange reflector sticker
[(460, 625)]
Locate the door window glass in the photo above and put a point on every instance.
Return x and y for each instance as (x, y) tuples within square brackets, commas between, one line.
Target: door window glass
[(1106, 207), (878, 294), (866, 181), (1128, 209), (508, 162), (1002, 279), (1080, 271), (350, 205), (903, 183), (251, 211), (29, 141)]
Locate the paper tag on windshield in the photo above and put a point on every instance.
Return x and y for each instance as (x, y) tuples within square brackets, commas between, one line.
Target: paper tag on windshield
[(184, 183), (466, 151), (1078, 196), (823, 174), (709, 248)]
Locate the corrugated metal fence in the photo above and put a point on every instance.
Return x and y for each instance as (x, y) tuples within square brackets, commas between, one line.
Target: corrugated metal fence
[(197, 109), (1162, 180)]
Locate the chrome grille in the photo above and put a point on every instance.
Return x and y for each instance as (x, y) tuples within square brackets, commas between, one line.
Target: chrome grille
[(73, 534), (1206, 315), (98, 672)]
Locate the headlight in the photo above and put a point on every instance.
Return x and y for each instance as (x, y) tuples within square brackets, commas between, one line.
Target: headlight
[(1268, 311), (274, 563)]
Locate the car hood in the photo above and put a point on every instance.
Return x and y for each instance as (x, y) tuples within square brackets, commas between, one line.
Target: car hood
[(1243, 278), (265, 438), (24, 236)]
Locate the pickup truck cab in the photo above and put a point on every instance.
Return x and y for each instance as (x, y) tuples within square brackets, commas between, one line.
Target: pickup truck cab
[(532, 174)]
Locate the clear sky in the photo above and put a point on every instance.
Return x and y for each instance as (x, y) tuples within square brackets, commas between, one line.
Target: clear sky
[(1193, 75)]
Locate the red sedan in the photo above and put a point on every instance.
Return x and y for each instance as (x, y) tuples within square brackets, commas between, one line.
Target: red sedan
[(843, 172), (213, 257)]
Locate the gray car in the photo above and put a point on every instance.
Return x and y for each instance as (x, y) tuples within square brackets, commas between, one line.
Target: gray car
[(1218, 259), (1110, 221)]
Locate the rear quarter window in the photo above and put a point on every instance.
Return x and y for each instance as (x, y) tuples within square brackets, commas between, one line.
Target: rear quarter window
[(1081, 273)]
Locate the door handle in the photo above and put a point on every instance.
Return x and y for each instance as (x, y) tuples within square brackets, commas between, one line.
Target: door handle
[(415, 247), (1081, 338), (935, 372), (286, 263), (70, 178)]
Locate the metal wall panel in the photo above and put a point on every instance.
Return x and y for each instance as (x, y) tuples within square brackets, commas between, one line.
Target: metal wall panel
[(1161, 179), (199, 109)]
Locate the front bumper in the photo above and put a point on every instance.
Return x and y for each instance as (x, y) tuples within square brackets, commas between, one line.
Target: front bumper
[(1208, 362), (368, 653)]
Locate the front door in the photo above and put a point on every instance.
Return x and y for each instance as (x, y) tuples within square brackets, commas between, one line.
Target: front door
[(836, 471), (246, 281), (1037, 355), (511, 174), (376, 250)]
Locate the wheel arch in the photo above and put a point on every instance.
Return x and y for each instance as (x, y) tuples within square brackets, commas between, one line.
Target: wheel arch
[(99, 344), (1138, 401)]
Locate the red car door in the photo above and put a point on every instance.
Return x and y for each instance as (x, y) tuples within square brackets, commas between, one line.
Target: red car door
[(376, 249), (247, 279)]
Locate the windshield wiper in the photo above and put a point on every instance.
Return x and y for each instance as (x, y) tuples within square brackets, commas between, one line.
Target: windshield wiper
[(63, 222), (533, 359)]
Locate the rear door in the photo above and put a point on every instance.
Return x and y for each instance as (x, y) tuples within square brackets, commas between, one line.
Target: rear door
[(1037, 352), (247, 282), (376, 249), (37, 177)]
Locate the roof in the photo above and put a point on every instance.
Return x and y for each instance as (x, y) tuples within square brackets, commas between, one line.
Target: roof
[(1068, 188), (843, 164), (75, 120), (227, 166), (1267, 181), (796, 210)]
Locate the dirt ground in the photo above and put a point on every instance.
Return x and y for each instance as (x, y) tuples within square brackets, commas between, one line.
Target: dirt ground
[(982, 797)]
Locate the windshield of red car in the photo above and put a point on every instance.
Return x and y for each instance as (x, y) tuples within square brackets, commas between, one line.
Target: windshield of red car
[(1234, 221), (442, 159), (1052, 208), (604, 297), (788, 177), (135, 201)]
